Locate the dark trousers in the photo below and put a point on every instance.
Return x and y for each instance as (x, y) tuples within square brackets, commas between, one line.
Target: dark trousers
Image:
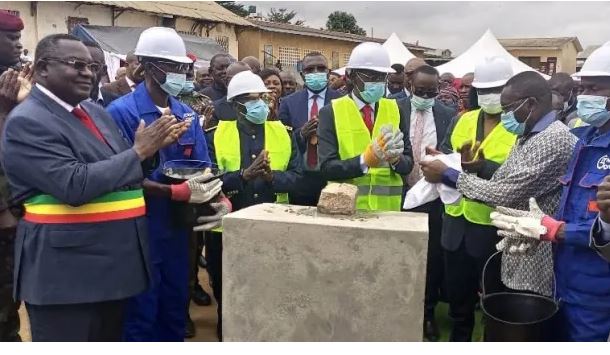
[(434, 265), (310, 187), (195, 249), (213, 255), (9, 316), (463, 278), (101, 321)]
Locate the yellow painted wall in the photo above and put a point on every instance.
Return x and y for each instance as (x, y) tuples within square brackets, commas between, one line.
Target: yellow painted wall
[(566, 57), (221, 29), (51, 17), (253, 41)]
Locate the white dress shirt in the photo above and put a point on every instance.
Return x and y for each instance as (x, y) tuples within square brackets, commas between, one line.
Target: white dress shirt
[(131, 84), (53, 97), (361, 104), (429, 138), (320, 100)]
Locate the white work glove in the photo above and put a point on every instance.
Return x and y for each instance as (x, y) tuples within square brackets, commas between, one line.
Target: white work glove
[(222, 208), (525, 223), (394, 147), (197, 190), (527, 227), (374, 155)]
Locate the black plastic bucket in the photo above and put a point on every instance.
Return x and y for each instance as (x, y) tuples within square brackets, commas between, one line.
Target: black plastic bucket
[(516, 316)]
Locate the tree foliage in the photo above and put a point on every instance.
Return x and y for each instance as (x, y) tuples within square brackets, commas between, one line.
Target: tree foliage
[(342, 21), (234, 7), (283, 16)]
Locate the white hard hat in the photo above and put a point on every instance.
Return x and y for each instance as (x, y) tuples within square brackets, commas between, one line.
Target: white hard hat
[(598, 63), (492, 72), (245, 82), (372, 56), (162, 42)]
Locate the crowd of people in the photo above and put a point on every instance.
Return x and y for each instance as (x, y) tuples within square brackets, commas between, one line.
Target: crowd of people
[(103, 242)]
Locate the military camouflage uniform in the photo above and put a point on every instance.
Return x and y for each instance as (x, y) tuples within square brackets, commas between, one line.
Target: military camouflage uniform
[(198, 102), (9, 317)]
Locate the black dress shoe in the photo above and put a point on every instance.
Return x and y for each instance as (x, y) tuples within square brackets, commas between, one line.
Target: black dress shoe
[(189, 329), (202, 262), (200, 297), (431, 331)]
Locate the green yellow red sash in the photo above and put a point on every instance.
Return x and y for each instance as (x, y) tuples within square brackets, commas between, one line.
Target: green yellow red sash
[(110, 207)]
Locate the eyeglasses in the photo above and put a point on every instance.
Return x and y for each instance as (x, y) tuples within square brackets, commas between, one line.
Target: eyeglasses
[(426, 94), (171, 66), (377, 77), (77, 64), (512, 104)]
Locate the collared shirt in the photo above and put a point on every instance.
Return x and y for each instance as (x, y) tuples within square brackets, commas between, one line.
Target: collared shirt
[(429, 138), (131, 84), (544, 122), (320, 100), (53, 97), (361, 104)]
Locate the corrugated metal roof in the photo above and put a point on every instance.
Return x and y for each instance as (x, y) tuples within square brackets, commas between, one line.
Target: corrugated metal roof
[(587, 52), (204, 10), (304, 31), (556, 42)]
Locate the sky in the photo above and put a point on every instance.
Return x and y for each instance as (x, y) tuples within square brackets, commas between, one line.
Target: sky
[(457, 25)]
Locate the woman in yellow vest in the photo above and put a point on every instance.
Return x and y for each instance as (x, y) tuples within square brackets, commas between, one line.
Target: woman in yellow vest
[(468, 238), (363, 138), (259, 157)]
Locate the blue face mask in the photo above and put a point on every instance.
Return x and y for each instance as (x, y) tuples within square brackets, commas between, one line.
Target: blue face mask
[(509, 121), (174, 82), (189, 87), (422, 104), (316, 81), (257, 111), (592, 110), (373, 91)]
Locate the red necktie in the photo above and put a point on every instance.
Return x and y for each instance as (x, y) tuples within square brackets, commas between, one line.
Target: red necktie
[(368, 117), (312, 150), (88, 122)]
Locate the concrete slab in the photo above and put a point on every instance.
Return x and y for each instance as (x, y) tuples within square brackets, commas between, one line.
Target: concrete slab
[(291, 274)]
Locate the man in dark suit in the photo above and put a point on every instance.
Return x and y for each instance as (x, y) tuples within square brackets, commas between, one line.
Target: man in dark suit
[(97, 54), (364, 138), (428, 122), (76, 259), (300, 111), (218, 70), (125, 85)]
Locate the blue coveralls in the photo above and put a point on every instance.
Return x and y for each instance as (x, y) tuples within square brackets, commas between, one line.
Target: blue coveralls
[(583, 278), (159, 313)]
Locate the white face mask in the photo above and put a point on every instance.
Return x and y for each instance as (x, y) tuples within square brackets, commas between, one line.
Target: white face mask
[(490, 103)]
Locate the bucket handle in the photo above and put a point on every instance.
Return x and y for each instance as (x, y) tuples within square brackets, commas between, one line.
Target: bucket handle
[(485, 271)]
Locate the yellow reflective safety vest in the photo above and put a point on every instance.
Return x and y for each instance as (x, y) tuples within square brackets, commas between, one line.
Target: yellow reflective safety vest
[(380, 189), (277, 143), (495, 147)]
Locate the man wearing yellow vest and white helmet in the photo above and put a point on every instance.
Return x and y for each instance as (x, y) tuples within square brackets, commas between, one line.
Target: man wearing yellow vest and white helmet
[(363, 138), (468, 237), (260, 159)]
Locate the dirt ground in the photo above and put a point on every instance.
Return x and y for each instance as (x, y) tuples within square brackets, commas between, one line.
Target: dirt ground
[(203, 317)]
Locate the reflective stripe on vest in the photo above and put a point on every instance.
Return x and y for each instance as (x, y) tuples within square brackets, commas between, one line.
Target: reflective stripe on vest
[(45, 209), (277, 143), (495, 147), (380, 189)]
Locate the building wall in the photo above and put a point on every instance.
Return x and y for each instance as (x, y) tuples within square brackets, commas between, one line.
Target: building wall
[(566, 57), (51, 17), (252, 42), (223, 31)]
